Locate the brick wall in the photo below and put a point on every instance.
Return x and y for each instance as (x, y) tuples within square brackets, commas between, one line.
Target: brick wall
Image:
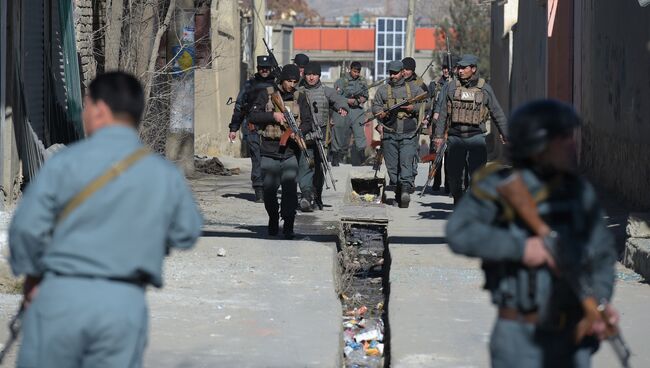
[(84, 34)]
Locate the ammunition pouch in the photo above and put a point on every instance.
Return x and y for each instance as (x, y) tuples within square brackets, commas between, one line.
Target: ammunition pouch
[(468, 105)]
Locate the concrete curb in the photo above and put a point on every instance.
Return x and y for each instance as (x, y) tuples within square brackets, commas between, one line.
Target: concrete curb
[(637, 256)]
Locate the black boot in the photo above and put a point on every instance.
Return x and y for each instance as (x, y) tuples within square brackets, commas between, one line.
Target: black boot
[(306, 202), (335, 158), (287, 229), (273, 227), (259, 195), (318, 201)]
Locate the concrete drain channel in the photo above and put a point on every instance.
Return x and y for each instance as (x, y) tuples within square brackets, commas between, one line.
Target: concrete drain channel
[(363, 275)]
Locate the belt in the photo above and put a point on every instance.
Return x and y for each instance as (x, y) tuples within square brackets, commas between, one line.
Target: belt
[(136, 281), (513, 314)]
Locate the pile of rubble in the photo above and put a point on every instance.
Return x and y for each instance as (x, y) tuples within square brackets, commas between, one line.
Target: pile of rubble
[(212, 166), (637, 246)]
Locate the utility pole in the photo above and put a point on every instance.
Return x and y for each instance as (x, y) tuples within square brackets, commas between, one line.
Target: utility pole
[(259, 29), (409, 50)]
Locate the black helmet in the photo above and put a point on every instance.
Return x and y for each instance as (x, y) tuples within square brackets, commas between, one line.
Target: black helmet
[(534, 124)]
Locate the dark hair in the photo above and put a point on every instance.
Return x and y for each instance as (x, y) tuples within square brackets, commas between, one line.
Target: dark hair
[(121, 92), (355, 65)]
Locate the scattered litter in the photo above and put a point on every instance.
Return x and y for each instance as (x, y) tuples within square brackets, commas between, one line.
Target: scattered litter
[(228, 317), (221, 252)]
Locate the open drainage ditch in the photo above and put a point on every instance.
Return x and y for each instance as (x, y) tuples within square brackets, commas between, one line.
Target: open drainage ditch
[(363, 281)]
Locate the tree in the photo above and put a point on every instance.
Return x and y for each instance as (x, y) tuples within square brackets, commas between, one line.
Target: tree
[(469, 21)]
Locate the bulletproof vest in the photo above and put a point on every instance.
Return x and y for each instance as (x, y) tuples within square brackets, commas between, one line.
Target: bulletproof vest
[(274, 131), (317, 96), (468, 105), (392, 100)]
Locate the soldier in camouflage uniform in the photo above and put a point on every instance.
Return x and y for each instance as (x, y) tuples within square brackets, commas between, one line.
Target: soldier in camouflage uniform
[(260, 80), (400, 130), (354, 88), (469, 102), (279, 163), (321, 99), (542, 284)]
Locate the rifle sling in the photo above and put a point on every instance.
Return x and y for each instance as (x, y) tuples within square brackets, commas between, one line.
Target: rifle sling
[(114, 171)]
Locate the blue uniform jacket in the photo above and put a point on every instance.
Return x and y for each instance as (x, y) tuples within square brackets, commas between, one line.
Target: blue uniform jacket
[(484, 226), (123, 230)]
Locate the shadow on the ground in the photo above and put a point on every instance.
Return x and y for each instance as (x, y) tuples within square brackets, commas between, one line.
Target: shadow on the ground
[(260, 232), (245, 196), (421, 240)]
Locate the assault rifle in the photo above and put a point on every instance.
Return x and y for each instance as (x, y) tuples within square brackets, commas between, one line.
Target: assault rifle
[(397, 106), (293, 130), (379, 156), (514, 191), (317, 134), (435, 161), (276, 69), (14, 331)]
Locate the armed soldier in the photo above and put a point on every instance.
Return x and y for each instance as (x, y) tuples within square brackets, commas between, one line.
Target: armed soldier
[(469, 102), (260, 81), (354, 88), (279, 162), (400, 130), (321, 100), (547, 254), (90, 234)]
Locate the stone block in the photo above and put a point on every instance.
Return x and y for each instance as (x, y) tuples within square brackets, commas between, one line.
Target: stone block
[(637, 256), (638, 225)]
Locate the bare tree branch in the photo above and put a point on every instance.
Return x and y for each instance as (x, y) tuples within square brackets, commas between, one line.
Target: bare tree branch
[(154, 52)]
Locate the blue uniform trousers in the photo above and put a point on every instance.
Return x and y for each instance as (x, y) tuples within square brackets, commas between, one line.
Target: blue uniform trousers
[(522, 345), (400, 153), (84, 322), (461, 151), (253, 143)]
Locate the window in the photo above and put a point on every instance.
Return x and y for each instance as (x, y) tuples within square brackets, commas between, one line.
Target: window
[(389, 36)]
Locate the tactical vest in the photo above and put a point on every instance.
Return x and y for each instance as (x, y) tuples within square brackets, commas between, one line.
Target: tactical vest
[(468, 104), (391, 100), (274, 131), (317, 96)]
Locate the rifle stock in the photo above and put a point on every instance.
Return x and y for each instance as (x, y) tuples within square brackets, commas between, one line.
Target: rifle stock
[(514, 191)]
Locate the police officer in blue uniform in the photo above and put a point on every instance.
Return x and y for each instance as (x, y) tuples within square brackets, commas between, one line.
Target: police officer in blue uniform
[(89, 248), (260, 80), (540, 285)]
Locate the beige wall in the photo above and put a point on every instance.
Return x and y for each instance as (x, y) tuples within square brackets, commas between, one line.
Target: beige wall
[(214, 86)]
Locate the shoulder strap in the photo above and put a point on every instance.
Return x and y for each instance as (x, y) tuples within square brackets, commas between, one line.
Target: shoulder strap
[(114, 171)]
